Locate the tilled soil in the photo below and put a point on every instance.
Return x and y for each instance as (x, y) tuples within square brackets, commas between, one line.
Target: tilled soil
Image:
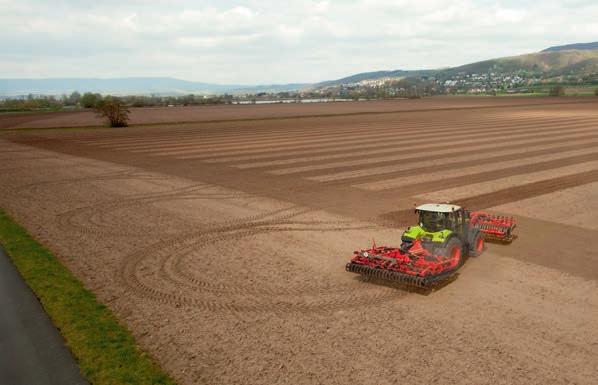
[(222, 246), (153, 115)]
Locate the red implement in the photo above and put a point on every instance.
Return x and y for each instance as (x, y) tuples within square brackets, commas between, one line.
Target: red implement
[(493, 226), (417, 266)]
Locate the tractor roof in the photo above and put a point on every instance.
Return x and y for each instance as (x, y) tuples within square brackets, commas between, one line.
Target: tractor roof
[(438, 207)]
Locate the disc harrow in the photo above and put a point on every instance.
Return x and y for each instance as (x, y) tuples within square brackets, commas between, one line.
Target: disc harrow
[(416, 266), (494, 227)]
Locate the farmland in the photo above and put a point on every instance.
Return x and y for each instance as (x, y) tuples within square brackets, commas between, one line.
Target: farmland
[(219, 235)]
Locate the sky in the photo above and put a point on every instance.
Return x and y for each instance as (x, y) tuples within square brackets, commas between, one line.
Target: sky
[(266, 42)]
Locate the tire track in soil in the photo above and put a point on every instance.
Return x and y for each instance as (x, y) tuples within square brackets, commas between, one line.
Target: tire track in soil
[(174, 266), (33, 189), (94, 216), (170, 253), (231, 231)]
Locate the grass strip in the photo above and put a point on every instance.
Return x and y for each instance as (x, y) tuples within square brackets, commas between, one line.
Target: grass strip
[(106, 351)]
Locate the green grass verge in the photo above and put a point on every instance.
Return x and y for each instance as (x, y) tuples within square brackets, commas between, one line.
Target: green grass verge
[(27, 110), (106, 351)]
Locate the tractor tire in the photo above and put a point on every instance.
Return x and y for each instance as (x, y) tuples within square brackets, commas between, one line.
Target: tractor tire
[(476, 244), (454, 249)]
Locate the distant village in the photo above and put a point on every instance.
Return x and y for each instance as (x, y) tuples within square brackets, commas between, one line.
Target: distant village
[(462, 83)]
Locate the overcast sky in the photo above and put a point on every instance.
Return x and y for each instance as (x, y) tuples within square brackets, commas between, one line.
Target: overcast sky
[(249, 42)]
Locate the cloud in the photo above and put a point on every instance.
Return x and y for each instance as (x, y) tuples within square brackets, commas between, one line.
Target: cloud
[(266, 41)]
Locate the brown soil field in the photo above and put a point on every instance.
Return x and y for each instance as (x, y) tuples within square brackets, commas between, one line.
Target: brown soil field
[(222, 243), (154, 115)]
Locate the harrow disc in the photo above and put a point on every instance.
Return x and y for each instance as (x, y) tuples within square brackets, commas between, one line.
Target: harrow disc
[(388, 275)]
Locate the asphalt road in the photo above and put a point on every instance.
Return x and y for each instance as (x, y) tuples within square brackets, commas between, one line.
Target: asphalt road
[(32, 351)]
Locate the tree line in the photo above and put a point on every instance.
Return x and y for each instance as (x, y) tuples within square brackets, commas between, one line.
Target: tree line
[(91, 100)]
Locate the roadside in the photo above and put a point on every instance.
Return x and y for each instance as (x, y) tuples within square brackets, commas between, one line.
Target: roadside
[(31, 349)]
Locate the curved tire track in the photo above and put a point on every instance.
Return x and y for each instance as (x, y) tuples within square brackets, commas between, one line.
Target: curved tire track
[(185, 289)]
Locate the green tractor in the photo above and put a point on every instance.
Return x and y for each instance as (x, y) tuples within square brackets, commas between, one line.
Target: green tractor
[(434, 249), (444, 229)]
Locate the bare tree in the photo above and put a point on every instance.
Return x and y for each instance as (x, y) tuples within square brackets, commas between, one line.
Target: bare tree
[(114, 111)]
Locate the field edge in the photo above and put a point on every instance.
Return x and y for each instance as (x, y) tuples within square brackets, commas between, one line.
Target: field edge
[(105, 350)]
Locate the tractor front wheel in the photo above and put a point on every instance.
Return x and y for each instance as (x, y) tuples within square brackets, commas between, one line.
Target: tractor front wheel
[(454, 251)]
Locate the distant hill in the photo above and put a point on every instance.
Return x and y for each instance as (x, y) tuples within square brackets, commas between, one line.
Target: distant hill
[(364, 76), (577, 46), (553, 62), (130, 86)]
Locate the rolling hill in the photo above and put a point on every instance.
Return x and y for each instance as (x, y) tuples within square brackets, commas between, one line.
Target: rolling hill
[(130, 86), (365, 76), (577, 46), (551, 62)]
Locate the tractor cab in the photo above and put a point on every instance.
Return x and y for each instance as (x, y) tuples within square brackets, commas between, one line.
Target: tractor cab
[(435, 217), (443, 230), (437, 223)]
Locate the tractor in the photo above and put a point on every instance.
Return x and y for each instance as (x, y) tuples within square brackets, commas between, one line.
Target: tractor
[(436, 248)]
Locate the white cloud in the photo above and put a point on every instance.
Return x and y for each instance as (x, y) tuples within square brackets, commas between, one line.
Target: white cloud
[(266, 41)]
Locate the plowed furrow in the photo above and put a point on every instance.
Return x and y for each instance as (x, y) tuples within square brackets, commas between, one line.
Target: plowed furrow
[(484, 176), (529, 190), (445, 166), (181, 142), (225, 134), (426, 154)]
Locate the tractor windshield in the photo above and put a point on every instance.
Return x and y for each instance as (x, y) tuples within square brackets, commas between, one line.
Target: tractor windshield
[(432, 221)]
